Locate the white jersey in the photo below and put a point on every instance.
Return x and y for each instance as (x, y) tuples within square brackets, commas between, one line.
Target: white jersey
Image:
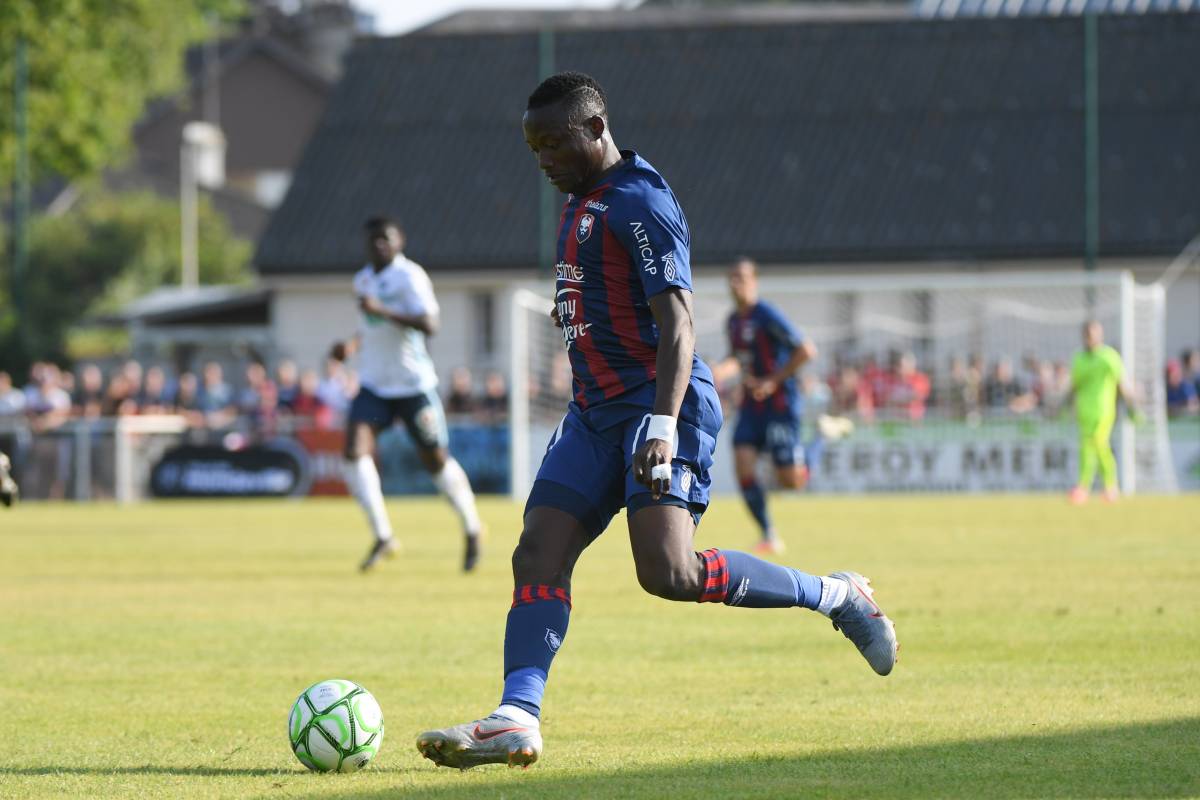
[(392, 359)]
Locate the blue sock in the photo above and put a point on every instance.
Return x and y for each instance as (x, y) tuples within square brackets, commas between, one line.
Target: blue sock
[(812, 456), (756, 501), (537, 625), (740, 579)]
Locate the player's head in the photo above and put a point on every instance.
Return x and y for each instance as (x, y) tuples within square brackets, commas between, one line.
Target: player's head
[(1093, 334), (385, 240), (566, 126), (743, 282)]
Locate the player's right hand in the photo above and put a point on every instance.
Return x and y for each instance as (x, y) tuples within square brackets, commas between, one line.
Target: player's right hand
[(652, 453), (555, 318)]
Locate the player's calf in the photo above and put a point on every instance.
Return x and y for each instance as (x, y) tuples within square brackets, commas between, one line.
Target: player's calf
[(681, 582), (667, 566)]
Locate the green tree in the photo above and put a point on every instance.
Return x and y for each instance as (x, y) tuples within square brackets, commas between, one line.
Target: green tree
[(110, 250), (93, 65)]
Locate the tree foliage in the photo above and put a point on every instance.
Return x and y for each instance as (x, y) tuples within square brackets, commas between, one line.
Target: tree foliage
[(93, 65), (110, 250)]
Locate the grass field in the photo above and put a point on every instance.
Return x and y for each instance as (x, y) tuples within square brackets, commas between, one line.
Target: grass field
[(1048, 651)]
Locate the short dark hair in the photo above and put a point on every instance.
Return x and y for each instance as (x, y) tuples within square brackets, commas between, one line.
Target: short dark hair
[(747, 260), (583, 96), (382, 223)]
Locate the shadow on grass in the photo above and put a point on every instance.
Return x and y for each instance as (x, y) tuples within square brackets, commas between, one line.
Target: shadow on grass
[(148, 769), (1160, 759)]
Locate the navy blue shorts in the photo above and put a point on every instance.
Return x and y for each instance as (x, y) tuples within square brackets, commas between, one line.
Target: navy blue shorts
[(421, 414), (777, 432), (587, 470)]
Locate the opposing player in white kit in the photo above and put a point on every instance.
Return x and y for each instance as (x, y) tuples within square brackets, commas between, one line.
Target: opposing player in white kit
[(398, 382)]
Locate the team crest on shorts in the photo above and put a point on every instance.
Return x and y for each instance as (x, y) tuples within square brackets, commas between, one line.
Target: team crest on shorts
[(586, 222), (685, 479)]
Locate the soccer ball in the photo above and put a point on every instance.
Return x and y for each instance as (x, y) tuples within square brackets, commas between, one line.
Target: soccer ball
[(335, 726)]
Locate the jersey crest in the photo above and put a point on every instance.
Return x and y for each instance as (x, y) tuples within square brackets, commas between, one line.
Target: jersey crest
[(584, 229)]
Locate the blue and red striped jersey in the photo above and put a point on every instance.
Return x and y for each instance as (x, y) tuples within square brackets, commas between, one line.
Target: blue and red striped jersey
[(762, 339), (619, 245)]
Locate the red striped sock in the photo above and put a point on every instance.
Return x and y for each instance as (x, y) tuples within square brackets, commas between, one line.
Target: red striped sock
[(716, 583), (532, 593)]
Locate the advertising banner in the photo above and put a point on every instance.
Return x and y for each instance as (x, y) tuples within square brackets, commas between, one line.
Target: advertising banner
[(933, 461), (325, 457), (274, 469)]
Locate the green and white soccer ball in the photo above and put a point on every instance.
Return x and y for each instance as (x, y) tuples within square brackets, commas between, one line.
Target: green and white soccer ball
[(335, 726)]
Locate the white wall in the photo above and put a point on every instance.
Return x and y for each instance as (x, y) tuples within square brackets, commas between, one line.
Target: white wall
[(309, 313), (822, 316)]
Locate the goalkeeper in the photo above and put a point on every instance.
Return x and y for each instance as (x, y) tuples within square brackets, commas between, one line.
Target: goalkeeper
[(1097, 376)]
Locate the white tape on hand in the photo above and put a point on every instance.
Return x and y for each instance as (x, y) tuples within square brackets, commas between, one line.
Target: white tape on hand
[(660, 472)]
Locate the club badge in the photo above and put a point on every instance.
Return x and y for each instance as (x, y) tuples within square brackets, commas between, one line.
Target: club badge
[(585, 228)]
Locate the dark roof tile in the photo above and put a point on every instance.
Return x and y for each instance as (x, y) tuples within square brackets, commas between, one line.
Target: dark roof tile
[(792, 142)]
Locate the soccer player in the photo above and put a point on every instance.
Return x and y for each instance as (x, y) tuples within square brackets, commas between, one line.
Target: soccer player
[(398, 382), (768, 351), (1097, 376), (8, 487), (638, 435)]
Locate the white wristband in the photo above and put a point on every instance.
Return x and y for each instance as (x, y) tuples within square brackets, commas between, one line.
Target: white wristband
[(661, 427)]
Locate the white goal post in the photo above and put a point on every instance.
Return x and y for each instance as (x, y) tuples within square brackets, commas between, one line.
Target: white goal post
[(971, 432), (535, 347)]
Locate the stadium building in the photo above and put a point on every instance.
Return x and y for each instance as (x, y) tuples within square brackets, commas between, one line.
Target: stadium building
[(830, 143)]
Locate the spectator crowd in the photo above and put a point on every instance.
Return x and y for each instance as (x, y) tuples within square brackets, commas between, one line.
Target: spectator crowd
[(262, 401), (968, 389), (286, 398), (208, 400)]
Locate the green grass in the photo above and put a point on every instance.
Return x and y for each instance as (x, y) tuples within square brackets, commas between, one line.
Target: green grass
[(1048, 651)]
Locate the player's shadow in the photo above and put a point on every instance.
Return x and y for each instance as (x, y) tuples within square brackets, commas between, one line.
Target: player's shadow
[(1158, 759)]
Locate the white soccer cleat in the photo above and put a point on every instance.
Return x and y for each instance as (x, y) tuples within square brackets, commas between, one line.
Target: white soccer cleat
[(383, 548), (862, 621), (492, 740)]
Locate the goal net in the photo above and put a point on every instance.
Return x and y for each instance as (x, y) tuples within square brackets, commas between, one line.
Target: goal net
[(950, 383)]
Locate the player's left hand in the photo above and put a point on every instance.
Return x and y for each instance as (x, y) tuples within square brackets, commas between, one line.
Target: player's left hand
[(763, 388), (648, 456), (371, 305)]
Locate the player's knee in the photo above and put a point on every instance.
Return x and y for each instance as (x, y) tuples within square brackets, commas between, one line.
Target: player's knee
[(524, 560), (534, 562), (791, 477), (359, 442)]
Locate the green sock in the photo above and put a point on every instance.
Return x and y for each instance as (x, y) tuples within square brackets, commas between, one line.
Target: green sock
[(1087, 462), (1108, 465)]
